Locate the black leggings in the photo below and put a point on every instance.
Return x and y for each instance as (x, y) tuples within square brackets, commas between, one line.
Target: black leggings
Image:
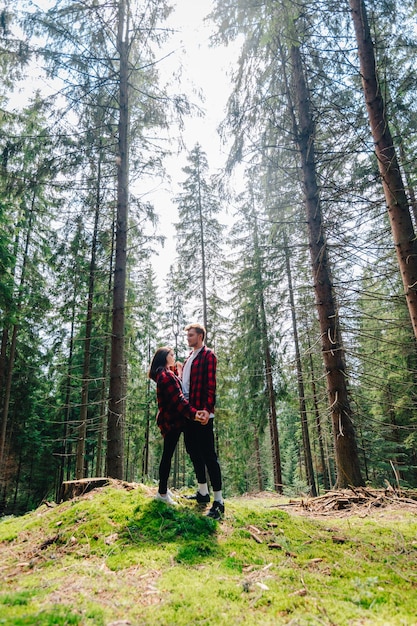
[(199, 443), (170, 443)]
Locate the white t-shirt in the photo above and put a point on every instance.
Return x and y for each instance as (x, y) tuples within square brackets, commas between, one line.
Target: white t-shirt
[(186, 372)]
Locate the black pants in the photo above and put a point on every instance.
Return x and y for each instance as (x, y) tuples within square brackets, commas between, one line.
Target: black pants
[(170, 443), (199, 443)]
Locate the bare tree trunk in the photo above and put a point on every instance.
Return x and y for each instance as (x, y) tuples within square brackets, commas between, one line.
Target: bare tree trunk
[(273, 424), (395, 433), (3, 372), (300, 380), (16, 484), (127, 465), (115, 420), (324, 464), (395, 196), (103, 391), (82, 428), (12, 352), (103, 402), (7, 394), (408, 175), (347, 460), (258, 459), (145, 461), (203, 252), (65, 448), (3, 358)]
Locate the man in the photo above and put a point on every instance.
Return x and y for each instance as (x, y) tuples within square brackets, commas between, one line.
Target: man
[(199, 386)]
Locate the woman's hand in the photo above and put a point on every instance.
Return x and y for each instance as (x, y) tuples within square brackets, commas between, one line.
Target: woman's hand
[(202, 417)]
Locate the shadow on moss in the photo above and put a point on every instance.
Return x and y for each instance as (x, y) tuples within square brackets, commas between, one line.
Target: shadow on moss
[(158, 524)]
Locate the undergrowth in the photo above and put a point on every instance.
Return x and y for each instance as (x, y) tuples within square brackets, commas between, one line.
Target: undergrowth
[(119, 556)]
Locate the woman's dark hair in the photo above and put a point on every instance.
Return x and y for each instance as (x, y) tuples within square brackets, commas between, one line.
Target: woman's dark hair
[(159, 361)]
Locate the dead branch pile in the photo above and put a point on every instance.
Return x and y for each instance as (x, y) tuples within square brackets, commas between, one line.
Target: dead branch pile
[(358, 498)]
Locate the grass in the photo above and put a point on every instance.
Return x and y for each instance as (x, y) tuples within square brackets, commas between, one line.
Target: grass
[(118, 556)]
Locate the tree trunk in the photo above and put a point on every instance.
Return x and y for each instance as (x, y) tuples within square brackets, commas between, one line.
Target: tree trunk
[(273, 425), (82, 428), (65, 446), (146, 446), (7, 394), (115, 420), (258, 459), (347, 461), (16, 485), (103, 402), (3, 371), (103, 391), (12, 352), (392, 183), (324, 465), (300, 380), (408, 172), (203, 253), (395, 433), (3, 358), (145, 457), (74, 488)]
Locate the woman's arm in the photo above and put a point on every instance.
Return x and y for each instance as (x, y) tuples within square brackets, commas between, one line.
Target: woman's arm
[(172, 391)]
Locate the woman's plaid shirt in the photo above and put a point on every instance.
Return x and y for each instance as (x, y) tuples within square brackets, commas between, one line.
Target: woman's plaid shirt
[(174, 409), (203, 380)]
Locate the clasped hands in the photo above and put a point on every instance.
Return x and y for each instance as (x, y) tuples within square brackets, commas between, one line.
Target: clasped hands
[(202, 417)]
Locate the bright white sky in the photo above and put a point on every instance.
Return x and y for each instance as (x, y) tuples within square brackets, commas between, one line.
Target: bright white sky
[(206, 69)]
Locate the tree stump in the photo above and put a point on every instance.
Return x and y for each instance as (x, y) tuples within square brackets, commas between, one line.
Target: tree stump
[(73, 488)]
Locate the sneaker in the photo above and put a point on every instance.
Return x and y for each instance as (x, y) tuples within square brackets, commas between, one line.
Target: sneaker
[(166, 498), (200, 498), (216, 511)]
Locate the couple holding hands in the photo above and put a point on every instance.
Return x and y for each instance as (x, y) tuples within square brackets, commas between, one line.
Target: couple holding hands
[(186, 397)]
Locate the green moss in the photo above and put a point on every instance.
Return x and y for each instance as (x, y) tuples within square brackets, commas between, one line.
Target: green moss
[(21, 598), (57, 616), (120, 555)]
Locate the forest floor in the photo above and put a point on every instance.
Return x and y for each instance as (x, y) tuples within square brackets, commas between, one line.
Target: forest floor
[(114, 556)]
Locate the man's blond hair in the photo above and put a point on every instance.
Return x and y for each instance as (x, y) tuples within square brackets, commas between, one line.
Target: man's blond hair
[(198, 328)]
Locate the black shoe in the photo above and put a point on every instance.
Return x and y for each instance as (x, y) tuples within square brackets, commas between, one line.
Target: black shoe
[(216, 511), (200, 498)]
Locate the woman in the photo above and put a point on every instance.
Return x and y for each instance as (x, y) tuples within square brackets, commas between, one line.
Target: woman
[(173, 410)]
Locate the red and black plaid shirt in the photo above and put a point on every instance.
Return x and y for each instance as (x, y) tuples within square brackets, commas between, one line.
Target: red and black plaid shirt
[(174, 409), (203, 380)]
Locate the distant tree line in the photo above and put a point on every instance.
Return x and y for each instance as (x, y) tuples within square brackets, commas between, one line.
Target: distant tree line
[(308, 289)]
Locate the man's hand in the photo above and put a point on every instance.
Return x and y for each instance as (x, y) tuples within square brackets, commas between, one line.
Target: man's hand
[(203, 417)]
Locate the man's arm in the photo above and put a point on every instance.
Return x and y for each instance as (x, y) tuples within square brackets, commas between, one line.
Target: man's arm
[(211, 382)]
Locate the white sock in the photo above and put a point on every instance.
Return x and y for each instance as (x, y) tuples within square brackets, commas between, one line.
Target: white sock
[(203, 489), (217, 496)]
